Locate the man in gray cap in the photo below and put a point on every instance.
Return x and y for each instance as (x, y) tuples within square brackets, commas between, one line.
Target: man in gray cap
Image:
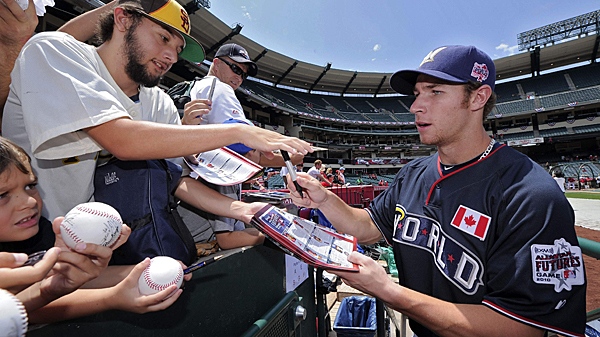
[(230, 67), (476, 254)]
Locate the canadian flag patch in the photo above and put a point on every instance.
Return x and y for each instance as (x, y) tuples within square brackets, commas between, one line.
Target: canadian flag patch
[(471, 222)]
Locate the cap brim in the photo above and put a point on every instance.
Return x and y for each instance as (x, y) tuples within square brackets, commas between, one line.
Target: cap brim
[(193, 50), (403, 81), (252, 68)]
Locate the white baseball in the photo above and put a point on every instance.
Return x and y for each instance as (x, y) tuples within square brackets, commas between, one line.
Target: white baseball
[(91, 222), (13, 317), (162, 272)]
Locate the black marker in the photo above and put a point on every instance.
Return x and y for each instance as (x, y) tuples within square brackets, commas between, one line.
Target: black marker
[(34, 258), (199, 265), (292, 171)]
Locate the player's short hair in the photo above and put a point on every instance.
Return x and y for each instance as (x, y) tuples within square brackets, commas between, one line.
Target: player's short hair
[(318, 162)]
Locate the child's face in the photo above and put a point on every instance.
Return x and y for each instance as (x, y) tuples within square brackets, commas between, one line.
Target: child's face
[(20, 205)]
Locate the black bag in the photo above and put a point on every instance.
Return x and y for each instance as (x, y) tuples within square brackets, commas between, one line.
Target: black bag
[(180, 92), (142, 192)]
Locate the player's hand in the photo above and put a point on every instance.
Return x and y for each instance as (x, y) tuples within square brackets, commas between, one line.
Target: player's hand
[(245, 211), (194, 110), (313, 193), (15, 277), (268, 141), (370, 279), (127, 294)]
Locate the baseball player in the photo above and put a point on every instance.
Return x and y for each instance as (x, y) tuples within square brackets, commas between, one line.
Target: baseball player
[(476, 254)]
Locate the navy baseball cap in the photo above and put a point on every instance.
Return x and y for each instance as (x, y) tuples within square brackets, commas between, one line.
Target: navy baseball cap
[(238, 147), (239, 55), (455, 64)]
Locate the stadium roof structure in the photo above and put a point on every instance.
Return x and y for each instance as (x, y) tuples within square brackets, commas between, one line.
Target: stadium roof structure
[(283, 70)]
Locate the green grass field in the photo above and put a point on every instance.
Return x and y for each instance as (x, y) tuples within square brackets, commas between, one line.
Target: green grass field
[(583, 194)]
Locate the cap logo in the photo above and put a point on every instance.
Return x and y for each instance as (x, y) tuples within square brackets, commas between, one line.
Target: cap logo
[(431, 55), (480, 72), (185, 21), (243, 53)]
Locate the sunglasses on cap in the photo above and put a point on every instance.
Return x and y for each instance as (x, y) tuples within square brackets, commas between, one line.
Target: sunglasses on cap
[(235, 68)]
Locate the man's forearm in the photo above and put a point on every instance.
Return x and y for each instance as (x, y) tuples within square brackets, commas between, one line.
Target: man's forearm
[(205, 198)]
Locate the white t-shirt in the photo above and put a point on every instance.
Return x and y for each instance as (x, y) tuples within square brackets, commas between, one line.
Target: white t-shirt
[(225, 104), (314, 172), (59, 87)]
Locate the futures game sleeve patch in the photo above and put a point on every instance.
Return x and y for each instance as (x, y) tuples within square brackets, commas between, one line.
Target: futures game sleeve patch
[(559, 264)]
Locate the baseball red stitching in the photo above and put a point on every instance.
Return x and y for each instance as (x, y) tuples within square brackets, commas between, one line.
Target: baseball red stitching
[(97, 212), (158, 287), (71, 234)]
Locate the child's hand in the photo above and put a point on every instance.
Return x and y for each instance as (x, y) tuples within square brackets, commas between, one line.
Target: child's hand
[(127, 295), (15, 277)]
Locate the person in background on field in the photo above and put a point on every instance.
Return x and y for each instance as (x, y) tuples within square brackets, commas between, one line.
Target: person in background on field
[(559, 177)]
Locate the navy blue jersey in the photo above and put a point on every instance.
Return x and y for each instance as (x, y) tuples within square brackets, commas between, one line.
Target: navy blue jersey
[(497, 232)]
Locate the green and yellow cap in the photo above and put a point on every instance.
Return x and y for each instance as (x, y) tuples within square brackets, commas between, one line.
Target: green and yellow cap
[(171, 14)]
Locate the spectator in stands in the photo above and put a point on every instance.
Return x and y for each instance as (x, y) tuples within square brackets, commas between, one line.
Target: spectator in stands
[(315, 171), (16, 27), (560, 179), (339, 178), (323, 176), (329, 175), (110, 101), (475, 252)]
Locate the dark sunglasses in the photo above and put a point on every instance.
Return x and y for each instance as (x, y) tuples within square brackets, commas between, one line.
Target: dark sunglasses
[(235, 68)]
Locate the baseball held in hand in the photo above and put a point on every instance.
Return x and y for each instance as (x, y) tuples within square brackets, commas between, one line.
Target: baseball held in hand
[(91, 222), (13, 317), (162, 272)]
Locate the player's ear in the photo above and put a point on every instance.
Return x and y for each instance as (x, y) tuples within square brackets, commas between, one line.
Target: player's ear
[(480, 97)]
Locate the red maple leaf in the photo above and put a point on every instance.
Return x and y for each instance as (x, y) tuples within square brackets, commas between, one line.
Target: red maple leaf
[(470, 220)]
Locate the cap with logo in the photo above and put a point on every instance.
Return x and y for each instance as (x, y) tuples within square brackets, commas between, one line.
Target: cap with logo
[(455, 64), (171, 14), (239, 55), (238, 147)]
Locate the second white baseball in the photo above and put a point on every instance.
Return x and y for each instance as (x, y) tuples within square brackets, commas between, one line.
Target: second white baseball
[(162, 272), (91, 222), (13, 317)]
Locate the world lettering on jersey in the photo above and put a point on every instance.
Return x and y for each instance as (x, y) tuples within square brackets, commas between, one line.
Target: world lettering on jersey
[(559, 264), (459, 265)]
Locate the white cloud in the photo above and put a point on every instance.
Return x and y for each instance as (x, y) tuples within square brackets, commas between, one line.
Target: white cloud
[(246, 13), (376, 47), (507, 50)]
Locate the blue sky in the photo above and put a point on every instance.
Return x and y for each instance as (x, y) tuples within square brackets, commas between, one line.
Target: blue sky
[(385, 36)]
